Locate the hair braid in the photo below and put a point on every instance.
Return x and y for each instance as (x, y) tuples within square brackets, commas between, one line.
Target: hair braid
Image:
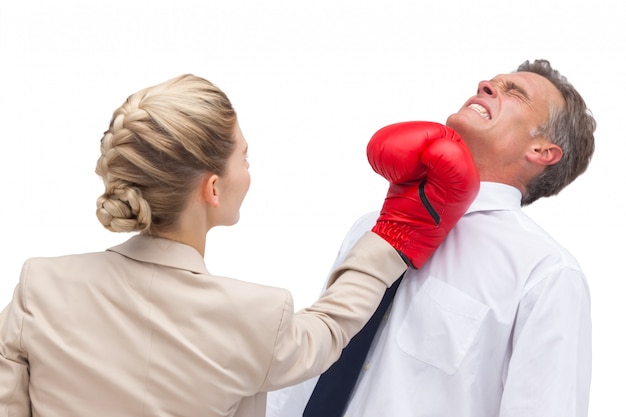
[(159, 142)]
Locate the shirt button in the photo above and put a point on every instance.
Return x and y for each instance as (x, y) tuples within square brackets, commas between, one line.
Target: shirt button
[(366, 366)]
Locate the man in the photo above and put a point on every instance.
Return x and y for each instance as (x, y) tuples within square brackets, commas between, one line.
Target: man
[(497, 322)]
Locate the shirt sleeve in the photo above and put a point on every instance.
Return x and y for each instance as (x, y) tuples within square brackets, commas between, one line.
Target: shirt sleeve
[(14, 375), (549, 373)]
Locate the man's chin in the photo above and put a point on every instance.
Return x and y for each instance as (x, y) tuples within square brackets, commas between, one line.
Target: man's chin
[(455, 121)]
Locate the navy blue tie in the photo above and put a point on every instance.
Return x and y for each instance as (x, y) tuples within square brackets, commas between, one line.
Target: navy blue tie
[(332, 391)]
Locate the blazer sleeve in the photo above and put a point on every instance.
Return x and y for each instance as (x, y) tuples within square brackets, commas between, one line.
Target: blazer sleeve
[(14, 374), (309, 341)]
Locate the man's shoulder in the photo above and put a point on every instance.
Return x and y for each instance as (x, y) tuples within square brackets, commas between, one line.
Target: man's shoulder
[(365, 222)]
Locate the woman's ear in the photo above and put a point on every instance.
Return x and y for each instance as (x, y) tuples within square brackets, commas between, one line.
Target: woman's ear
[(545, 153), (210, 190)]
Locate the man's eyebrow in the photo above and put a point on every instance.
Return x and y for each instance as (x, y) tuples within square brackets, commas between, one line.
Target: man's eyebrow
[(512, 86)]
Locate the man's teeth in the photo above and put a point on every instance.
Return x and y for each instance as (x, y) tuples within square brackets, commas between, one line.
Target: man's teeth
[(480, 110)]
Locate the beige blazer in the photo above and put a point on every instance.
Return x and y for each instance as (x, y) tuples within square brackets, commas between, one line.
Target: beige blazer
[(143, 329)]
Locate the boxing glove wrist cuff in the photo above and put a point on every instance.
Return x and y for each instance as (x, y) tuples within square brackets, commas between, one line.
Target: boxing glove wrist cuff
[(408, 242)]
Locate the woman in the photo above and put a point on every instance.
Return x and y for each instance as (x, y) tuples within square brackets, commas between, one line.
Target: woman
[(143, 328)]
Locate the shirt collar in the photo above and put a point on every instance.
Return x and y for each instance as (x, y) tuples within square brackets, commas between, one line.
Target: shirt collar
[(496, 196), (161, 251)]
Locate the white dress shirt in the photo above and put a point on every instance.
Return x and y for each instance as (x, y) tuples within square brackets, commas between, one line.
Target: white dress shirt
[(496, 323)]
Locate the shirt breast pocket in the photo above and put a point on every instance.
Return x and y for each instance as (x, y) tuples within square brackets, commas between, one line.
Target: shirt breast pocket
[(441, 325)]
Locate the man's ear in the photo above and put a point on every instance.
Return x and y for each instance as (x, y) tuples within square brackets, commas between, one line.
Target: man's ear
[(545, 153), (210, 190)]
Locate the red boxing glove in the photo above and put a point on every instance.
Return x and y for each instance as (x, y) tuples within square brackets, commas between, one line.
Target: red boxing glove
[(433, 181)]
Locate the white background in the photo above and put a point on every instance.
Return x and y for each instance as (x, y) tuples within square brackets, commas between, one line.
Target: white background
[(311, 82)]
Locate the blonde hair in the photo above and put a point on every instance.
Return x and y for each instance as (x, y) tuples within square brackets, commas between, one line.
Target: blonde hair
[(159, 143)]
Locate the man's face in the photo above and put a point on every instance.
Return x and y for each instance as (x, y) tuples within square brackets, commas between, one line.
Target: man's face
[(498, 123)]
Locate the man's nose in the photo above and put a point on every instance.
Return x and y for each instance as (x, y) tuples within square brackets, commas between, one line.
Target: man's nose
[(486, 87)]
